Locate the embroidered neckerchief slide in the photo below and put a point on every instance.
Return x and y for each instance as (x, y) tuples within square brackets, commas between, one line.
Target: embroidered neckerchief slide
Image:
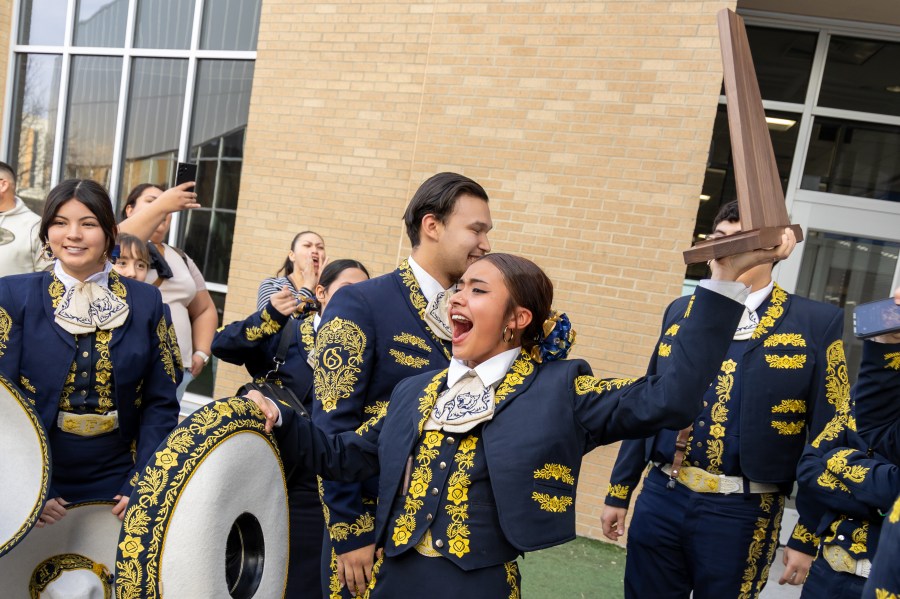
[(463, 406), (87, 307)]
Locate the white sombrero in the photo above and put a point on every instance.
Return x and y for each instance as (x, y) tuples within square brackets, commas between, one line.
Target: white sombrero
[(71, 559), (209, 515), (24, 469)]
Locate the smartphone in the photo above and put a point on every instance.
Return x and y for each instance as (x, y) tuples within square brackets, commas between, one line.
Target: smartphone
[(876, 318), (184, 172)]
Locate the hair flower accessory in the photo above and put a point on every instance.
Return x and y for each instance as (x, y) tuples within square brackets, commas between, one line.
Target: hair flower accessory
[(557, 338)]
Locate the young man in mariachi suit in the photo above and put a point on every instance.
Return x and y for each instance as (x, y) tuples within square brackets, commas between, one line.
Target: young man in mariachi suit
[(379, 332), (877, 412), (709, 516)]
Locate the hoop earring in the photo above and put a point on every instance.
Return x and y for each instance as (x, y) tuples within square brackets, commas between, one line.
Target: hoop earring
[(512, 334), (46, 251)]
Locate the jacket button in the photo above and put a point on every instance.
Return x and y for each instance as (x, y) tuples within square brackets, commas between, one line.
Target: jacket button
[(701, 423), (84, 354), (840, 537), (439, 543), (434, 491), (429, 517), (443, 465), (705, 404), (84, 375), (699, 444), (451, 440), (83, 393)]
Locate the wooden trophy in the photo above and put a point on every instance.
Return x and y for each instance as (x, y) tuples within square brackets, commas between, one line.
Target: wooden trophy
[(760, 198)]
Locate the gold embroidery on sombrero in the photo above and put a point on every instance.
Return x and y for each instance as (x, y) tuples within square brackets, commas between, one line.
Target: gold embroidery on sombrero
[(788, 339), (892, 360), (378, 411), (165, 353), (406, 360), (790, 406), (5, 329), (413, 340), (56, 290), (267, 327), (458, 494), (156, 494), (719, 416), (837, 392), (103, 376), (773, 312), (521, 368), (590, 384), (552, 503), (555, 471), (419, 302), (512, 577), (794, 362), (405, 525), (52, 568), (340, 345), (618, 491)]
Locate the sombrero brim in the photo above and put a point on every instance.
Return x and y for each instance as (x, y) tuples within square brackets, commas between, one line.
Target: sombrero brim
[(25, 467), (213, 493), (88, 530)]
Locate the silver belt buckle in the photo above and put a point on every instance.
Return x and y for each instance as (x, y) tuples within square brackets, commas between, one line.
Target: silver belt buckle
[(727, 485)]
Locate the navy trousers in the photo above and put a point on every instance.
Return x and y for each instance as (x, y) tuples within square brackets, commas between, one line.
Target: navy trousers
[(824, 583), (712, 544)]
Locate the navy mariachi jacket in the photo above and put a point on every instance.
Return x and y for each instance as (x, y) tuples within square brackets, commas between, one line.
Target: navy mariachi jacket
[(792, 386), (146, 365), (546, 418), (253, 343), (372, 336)]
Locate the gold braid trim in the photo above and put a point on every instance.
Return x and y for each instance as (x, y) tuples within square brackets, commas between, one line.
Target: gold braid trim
[(411, 339), (103, 375), (165, 352), (672, 330), (803, 534), (665, 350), (52, 568), (837, 392), (512, 578), (753, 555), (788, 428), (378, 411), (419, 302), (405, 525), (56, 290)]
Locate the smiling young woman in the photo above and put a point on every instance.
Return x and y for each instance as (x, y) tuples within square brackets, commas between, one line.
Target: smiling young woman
[(103, 379)]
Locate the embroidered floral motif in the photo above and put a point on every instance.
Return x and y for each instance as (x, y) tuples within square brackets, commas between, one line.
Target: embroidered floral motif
[(773, 540), (719, 415), (891, 360), (165, 354), (786, 362), (590, 384), (266, 327), (885, 594), (753, 555), (860, 538), (552, 503), (340, 345), (829, 481), (341, 531), (103, 375), (405, 525), (895, 512), (308, 334), (555, 471), (116, 286), (458, 494), (802, 534), (837, 463), (521, 368), (429, 398), (837, 392), (789, 339), (174, 348), (26, 384), (56, 290), (411, 339), (512, 579), (378, 411), (68, 389), (665, 350), (672, 330), (419, 302), (5, 329), (790, 406), (690, 306), (618, 491), (407, 360), (788, 428), (773, 312)]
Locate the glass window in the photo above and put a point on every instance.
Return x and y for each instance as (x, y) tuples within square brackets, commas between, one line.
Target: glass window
[(155, 108), (90, 118), (34, 112), (845, 271), (719, 186), (783, 61), (42, 22), (101, 23), (853, 158), (203, 384), (165, 24), (862, 75), (230, 24)]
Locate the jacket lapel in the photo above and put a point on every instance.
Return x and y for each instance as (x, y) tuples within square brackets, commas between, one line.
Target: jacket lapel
[(117, 286), (428, 398), (417, 303), (772, 316), (517, 380)]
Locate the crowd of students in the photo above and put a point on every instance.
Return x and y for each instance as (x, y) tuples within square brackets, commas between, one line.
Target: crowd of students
[(447, 427)]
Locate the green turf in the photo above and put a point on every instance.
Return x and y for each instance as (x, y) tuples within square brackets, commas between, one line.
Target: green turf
[(583, 568)]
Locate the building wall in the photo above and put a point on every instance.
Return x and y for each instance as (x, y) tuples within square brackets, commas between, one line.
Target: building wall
[(587, 122), (6, 7)]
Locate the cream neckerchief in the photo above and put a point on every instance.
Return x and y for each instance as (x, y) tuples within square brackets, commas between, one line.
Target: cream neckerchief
[(88, 306), (749, 319), (463, 405)]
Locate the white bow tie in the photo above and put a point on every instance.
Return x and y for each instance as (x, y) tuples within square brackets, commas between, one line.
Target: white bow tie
[(437, 315), (87, 307), (745, 329), (463, 405)]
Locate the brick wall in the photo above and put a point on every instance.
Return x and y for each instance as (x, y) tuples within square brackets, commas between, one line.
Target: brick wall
[(587, 122)]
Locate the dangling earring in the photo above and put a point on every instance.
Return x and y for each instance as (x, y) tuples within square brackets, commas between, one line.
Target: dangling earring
[(46, 251), (511, 334)]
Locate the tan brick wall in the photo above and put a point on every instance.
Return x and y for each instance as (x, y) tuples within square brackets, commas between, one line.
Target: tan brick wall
[(587, 122)]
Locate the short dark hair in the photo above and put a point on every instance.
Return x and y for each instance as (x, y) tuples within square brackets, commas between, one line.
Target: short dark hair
[(91, 194), (727, 213), (135, 246), (288, 267), (136, 192), (5, 169), (529, 287), (334, 269), (437, 196)]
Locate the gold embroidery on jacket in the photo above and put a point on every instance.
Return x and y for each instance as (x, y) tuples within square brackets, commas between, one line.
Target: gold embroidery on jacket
[(719, 415), (266, 327), (555, 471), (590, 384), (837, 463), (521, 368), (618, 491), (803, 534), (68, 389), (308, 335), (552, 503), (56, 290), (837, 392), (116, 286), (174, 348), (895, 512), (407, 360), (458, 494), (411, 339), (665, 350), (892, 360), (773, 312), (790, 406), (341, 531), (165, 352), (860, 538), (419, 302), (672, 330), (336, 378), (788, 428), (26, 384), (378, 411), (786, 362), (690, 306), (429, 398), (405, 525), (789, 339), (103, 373), (5, 329), (830, 481)]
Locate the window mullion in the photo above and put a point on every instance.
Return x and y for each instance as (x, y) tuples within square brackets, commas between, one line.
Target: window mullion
[(115, 175), (62, 107)]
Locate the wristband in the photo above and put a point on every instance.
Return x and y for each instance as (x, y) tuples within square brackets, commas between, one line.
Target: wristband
[(203, 356)]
